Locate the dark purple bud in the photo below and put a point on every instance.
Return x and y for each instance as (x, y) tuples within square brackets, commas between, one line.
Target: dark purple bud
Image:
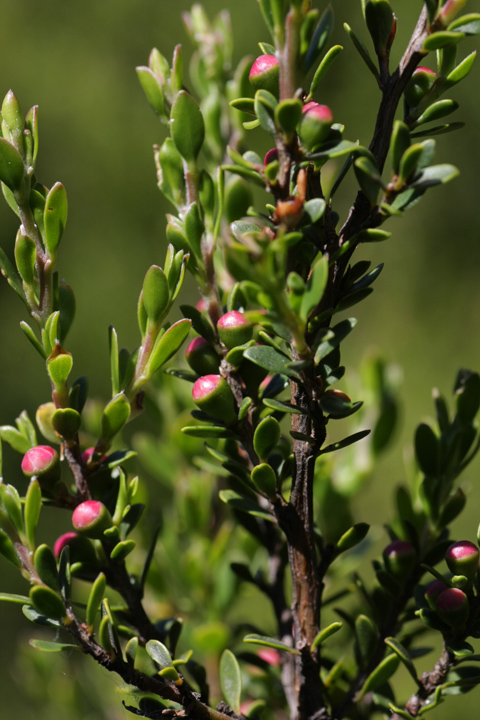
[(433, 591), (212, 394), (201, 357), (270, 156), (452, 607), (462, 559), (400, 558)]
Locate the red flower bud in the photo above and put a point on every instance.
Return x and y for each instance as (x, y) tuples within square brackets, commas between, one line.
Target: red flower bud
[(265, 75), (433, 591), (212, 394), (399, 558), (462, 559), (81, 548), (452, 607), (201, 357), (315, 124), (234, 329), (41, 460), (91, 518)]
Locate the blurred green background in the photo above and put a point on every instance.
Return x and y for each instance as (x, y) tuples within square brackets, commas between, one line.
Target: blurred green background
[(76, 61)]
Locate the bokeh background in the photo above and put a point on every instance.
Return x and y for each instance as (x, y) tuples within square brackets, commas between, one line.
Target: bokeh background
[(76, 61)]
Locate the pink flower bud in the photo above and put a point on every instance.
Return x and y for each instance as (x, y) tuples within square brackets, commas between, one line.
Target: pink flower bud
[(452, 607), (264, 74), (399, 558), (462, 559), (314, 127), (81, 548), (212, 394), (450, 10), (433, 591), (419, 84), (234, 329), (91, 518), (201, 305), (202, 357), (270, 656), (40, 460)]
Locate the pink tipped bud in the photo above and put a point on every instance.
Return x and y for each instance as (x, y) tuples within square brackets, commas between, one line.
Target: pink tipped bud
[(270, 656), (452, 607), (450, 10), (91, 518), (462, 559), (212, 394), (234, 329), (419, 84), (202, 357), (433, 591), (40, 460), (62, 541), (315, 124), (271, 156), (400, 558), (201, 305), (264, 74), (81, 548)]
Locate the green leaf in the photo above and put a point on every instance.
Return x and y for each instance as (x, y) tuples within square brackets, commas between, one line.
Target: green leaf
[(316, 285), (427, 450), (11, 275), (18, 599), (200, 322), (345, 442), (325, 634), (47, 602), (33, 504), (266, 437), (362, 50), (53, 647), (11, 500), (156, 294), (246, 105), (122, 549), (282, 407), (7, 549), (442, 39), (159, 653), (265, 479), (468, 24), (131, 651), (265, 106), (167, 345), (186, 126), (332, 338), (207, 431), (271, 360), (319, 38), (323, 68), (461, 70), (46, 566), (95, 598), (66, 422), (352, 537), (287, 115), (437, 110), (37, 618), (401, 713), (153, 91), (270, 642), (64, 573), (231, 680), (467, 395), (11, 166), (171, 177), (55, 218), (367, 638), (403, 654), (114, 360), (435, 175), (25, 257), (244, 504), (382, 673)]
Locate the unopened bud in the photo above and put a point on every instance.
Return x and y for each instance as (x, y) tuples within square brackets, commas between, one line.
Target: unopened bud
[(462, 559), (212, 394), (452, 607), (449, 11), (270, 656), (265, 74), (81, 548), (433, 591), (41, 461), (270, 156), (400, 558), (419, 84), (315, 124), (91, 518), (234, 329), (201, 357), (380, 22)]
